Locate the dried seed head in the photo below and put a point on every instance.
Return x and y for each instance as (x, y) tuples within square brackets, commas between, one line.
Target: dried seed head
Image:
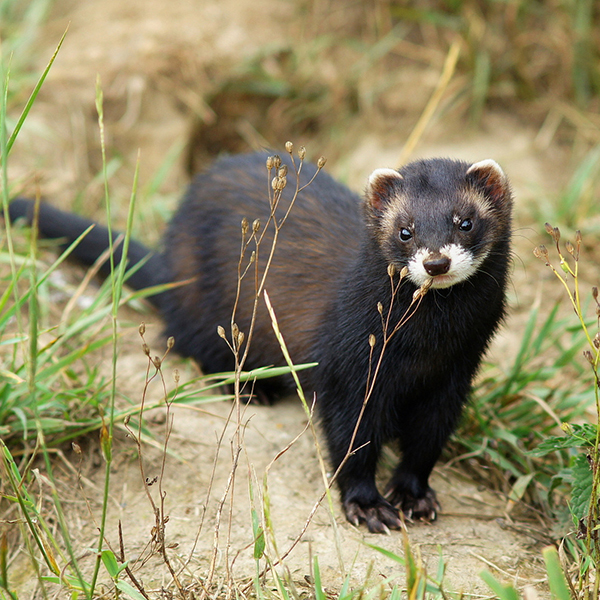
[(553, 232), (170, 342), (76, 448), (595, 293), (221, 332), (252, 257), (588, 356), (570, 248), (321, 162), (176, 376), (391, 270), (157, 362), (283, 171), (289, 147), (142, 328), (278, 183), (255, 225), (541, 252), (276, 161), (240, 338), (244, 225), (146, 349), (423, 289), (403, 272), (270, 162), (380, 308), (235, 330), (596, 341), (372, 341), (301, 152)]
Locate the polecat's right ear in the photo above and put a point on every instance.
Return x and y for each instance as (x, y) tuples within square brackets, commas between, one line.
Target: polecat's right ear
[(381, 186)]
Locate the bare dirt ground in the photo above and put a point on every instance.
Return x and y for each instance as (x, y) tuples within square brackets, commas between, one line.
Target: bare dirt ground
[(158, 63)]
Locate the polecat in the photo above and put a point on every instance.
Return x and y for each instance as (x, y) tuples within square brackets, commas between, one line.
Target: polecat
[(332, 288)]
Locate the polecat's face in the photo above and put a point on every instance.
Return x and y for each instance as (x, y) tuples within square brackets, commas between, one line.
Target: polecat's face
[(440, 218)]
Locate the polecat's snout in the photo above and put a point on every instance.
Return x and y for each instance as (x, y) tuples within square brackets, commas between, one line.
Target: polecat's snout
[(437, 264)]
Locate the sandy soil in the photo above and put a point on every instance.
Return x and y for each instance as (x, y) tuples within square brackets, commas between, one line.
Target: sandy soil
[(160, 63)]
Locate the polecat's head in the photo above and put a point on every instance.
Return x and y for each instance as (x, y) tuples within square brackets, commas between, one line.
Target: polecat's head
[(440, 218)]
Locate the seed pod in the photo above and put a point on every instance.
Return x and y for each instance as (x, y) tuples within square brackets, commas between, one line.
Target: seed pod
[(380, 308), (301, 152), (541, 252), (372, 340), (221, 332), (403, 272), (176, 376), (240, 338), (276, 161), (588, 356), (244, 225), (279, 183), (595, 293), (157, 362), (321, 162), (146, 349), (235, 330), (391, 269), (556, 234), (255, 225), (289, 147), (170, 342), (270, 163), (142, 328), (570, 248), (283, 170)]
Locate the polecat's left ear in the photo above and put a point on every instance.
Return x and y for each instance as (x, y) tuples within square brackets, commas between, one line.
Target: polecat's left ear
[(488, 176), (381, 187)]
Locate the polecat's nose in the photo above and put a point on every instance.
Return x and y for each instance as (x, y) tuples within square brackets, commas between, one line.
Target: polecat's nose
[(436, 264)]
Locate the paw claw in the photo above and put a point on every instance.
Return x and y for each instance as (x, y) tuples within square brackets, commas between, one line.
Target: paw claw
[(379, 516), (425, 508)]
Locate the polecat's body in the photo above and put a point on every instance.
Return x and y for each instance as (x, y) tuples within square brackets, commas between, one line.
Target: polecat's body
[(447, 221)]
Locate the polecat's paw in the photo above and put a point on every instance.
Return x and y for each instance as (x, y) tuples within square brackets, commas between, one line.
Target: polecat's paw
[(425, 508), (379, 516)]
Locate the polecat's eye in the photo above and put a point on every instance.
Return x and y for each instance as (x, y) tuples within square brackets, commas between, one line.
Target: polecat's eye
[(405, 235), (466, 225)]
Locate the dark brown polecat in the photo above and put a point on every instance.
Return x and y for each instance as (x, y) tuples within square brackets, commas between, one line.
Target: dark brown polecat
[(444, 224)]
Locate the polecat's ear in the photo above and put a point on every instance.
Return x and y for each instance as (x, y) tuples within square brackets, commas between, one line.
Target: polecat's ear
[(489, 176), (381, 186)]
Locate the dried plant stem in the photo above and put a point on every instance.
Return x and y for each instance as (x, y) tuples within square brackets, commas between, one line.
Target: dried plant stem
[(567, 273)]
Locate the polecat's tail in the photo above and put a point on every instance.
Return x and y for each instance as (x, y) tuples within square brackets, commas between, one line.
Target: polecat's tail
[(58, 224)]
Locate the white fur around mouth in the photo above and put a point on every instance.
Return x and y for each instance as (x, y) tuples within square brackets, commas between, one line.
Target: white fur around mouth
[(462, 265)]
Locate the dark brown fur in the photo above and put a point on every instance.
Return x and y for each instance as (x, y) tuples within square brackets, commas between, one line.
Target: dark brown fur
[(329, 274)]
